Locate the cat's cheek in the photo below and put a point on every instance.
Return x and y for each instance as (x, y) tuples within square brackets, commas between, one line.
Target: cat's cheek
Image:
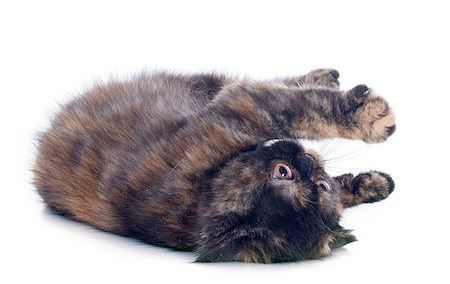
[(329, 204), (339, 207)]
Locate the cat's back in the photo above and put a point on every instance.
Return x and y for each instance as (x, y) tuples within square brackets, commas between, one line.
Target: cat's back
[(97, 139), (148, 104)]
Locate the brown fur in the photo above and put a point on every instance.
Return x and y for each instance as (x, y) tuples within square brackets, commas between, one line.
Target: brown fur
[(177, 161), (366, 187)]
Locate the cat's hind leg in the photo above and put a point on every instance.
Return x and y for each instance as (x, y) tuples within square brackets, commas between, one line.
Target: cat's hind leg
[(319, 77), (366, 187)]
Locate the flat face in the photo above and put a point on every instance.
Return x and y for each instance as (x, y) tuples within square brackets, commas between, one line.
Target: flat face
[(277, 190)]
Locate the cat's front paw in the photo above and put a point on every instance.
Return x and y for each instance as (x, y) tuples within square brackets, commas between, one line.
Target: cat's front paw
[(372, 115), (324, 77), (372, 186)]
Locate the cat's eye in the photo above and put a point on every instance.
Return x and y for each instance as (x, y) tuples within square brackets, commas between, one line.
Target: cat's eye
[(282, 171), (322, 184)]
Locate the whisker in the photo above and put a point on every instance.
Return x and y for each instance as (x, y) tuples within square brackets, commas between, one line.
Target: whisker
[(335, 145), (177, 165), (335, 151), (307, 227), (347, 156), (324, 146), (336, 169), (325, 226), (340, 145), (310, 201)]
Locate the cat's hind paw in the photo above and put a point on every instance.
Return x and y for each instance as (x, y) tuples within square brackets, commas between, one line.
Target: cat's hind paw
[(324, 77)]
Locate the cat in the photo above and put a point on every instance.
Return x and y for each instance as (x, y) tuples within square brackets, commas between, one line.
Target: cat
[(213, 164)]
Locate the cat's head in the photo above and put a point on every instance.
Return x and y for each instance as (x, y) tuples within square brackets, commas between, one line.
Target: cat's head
[(271, 202)]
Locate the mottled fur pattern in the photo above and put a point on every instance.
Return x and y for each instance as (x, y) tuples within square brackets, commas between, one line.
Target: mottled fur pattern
[(181, 161)]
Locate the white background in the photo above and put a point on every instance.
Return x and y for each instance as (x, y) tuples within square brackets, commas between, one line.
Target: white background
[(51, 50)]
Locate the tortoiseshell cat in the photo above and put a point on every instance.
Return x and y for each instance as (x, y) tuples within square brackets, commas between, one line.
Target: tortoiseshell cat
[(212, 164)]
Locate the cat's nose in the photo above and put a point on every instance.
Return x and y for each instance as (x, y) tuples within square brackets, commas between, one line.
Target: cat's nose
[(307, 166)]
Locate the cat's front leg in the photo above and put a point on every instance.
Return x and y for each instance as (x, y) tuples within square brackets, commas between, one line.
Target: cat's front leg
[(317, 113), (366, 187)]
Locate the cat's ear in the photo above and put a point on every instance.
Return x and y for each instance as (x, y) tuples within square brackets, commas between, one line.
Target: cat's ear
[(342, 237)]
